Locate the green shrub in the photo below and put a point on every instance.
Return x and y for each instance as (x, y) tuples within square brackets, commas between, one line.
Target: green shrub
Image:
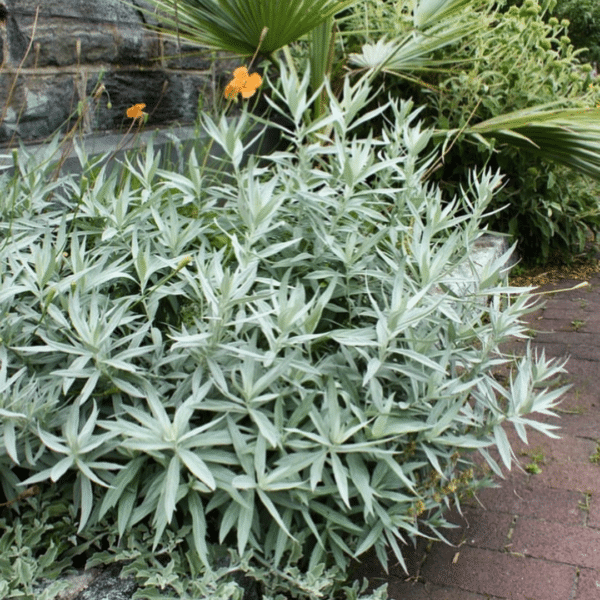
[(524, 63), (519, 62), (331, 386), (584, 24)]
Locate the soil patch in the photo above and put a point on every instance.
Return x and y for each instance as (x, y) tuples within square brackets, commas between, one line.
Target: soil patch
[(580, 268)]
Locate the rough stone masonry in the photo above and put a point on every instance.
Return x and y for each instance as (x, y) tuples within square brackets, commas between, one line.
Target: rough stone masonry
[(73, 41)]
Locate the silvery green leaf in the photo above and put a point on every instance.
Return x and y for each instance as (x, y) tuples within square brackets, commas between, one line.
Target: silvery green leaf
[(9, 437), (493, 464), (197, 466), (260, 457), (372, 536), (372, 369), (252, 389), (390, 536), (265, 427), (95, 442), (13, 291), (160, 414), (503, 445), (126, 503), (61, 467), (397, 469), (120, 483), (152, 426), (340, 474), (87, 499), (241, 449), (188, 341), (227, 136), (198, 526), (160, 524), (171, 486), (41, 476), (245, 518), (432, 458), (543, 427), (109, 233), (359, 476), (228, 520), (52, 442), (274, 512), (445, 416), (386, 425), (355, 337), (316, 469), (85, 469), (294, 93), (338, 546), (199, 440), (335, 517), (465, 441), (127, 387), (217, 374), (516, 421), (76, 439)]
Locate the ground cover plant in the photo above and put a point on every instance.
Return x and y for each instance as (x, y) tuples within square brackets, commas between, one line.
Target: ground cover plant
[(324, 397)]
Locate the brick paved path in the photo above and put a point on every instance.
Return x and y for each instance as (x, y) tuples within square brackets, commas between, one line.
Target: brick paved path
[(539, 537)]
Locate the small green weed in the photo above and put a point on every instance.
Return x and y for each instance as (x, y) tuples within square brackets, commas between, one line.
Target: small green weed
[(537, 458), (577, 324), (518, 271), (533, 469), (585, 505), (595, 458)]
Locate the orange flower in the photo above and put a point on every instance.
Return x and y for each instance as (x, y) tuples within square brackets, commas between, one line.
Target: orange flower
[(244, 83), (135, 112)]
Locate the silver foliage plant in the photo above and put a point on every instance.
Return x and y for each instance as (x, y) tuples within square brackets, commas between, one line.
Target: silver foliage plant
[(330, 385)]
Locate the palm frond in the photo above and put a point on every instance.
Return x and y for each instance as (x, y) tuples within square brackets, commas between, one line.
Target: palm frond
[(236, 25), (431, 12), (413, 51), (570, 137)]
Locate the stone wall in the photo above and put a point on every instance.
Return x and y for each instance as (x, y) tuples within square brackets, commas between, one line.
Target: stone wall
[(73, 41)]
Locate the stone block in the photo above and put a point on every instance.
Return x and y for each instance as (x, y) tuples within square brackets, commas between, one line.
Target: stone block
[(137, 63), (487, 249), (106, 583)]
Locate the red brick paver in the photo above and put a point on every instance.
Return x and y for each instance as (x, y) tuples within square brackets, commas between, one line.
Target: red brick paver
[(538, 537)]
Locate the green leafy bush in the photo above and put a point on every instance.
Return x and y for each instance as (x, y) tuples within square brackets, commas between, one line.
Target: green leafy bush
[(327, 392), (524, 62), (519, 62), (584, 24)]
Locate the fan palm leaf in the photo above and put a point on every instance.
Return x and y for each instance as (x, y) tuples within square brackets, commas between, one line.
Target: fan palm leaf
[(236, 25), (569, 137)]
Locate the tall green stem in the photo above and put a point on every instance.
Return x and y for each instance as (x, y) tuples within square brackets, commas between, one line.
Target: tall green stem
[(321, 56)]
